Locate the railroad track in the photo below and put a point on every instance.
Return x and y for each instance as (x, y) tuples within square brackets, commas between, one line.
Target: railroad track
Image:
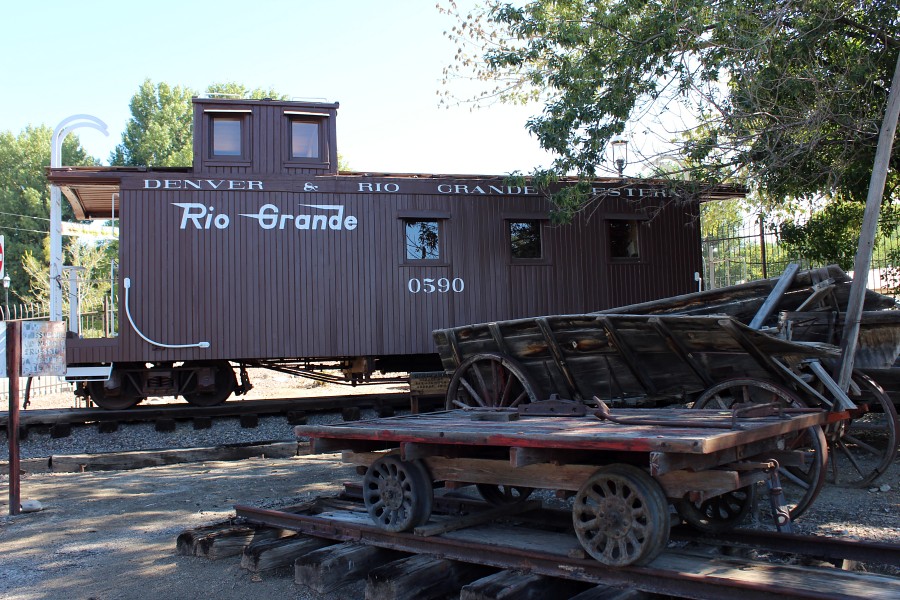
[(526, 551), (60, 421)]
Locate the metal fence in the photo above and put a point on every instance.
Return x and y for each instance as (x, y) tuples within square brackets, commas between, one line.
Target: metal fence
[(754, 251)]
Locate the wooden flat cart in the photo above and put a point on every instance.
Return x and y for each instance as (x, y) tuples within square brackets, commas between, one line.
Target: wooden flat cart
[(624, 466)]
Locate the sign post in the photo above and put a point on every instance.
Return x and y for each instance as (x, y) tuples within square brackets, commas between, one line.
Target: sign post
[(32, 348), (13, 356)]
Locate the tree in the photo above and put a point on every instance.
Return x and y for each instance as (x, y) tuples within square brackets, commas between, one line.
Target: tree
[(159, 133), (789, 94), (25, 197), (93, 280)]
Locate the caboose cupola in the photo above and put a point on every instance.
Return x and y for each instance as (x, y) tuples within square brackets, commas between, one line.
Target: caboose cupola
[(267, 136)]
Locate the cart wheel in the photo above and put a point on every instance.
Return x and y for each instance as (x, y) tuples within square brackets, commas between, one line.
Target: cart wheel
[(718, 514), (862, 448), (490, 380), (398, 494), (503, 494), (801, 484), (621, 516), (224, 385)]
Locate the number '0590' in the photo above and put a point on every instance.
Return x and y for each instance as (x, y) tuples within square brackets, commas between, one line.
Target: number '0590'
[(429, 285)]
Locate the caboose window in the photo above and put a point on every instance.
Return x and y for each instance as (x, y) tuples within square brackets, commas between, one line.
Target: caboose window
[(422, 240), (525, 239), (304, 139), (226, 136), (623, 239)]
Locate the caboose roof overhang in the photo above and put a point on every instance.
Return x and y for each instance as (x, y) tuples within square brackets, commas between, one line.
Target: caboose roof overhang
[(93, 192)]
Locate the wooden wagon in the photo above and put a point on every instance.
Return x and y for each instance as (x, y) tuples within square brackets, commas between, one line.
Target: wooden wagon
[(685, 349), (624, 469)]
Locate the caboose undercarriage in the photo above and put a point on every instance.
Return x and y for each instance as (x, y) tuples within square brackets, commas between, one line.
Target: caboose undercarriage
[(209, 383)]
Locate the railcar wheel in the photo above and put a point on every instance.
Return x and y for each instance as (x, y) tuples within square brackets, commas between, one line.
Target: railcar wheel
[(801, 484), (490, 380), (126, 397), (862, 448), (221, 389), (621, 516), (398, 494), (503, 494), (718, 514)]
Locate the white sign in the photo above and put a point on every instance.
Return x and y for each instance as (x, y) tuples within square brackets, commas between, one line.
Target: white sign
[(43, 348)]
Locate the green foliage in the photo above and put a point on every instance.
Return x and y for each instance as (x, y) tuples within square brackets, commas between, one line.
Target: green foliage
[(25, 197), (237, 90), (93, 281), (831, 234), (790, 94), (159, 133)]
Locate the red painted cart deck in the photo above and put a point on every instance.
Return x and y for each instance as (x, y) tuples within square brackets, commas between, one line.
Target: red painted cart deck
[(640, 430)]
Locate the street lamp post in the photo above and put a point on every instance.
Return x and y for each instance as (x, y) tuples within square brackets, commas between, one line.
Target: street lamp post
[(65, 127), (619, 153)]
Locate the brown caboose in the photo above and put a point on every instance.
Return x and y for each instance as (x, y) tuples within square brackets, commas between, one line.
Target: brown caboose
[(262, 254)]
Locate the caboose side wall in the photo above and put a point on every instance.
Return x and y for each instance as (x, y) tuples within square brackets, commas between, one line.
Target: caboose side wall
[(207, 262)]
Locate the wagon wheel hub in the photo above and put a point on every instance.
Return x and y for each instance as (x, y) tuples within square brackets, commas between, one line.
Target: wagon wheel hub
[(391, 493), (615, 517)]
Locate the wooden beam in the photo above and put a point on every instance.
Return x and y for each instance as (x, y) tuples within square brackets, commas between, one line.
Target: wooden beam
[(709, 483), (784, 283), (499, 472), (636, 366), (264, 555), (420, 577), (330, 568), (479, 518), (677, 346), (558, 357), (519, 585)]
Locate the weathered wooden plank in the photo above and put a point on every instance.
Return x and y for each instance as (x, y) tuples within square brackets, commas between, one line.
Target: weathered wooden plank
[(420, 577), (470, 520), (659, 430), (519, 585), (477, 470), (330, 568), (677, 484), (841, 584), (774, 298), (222, 540), (121, 461), (282, 552)]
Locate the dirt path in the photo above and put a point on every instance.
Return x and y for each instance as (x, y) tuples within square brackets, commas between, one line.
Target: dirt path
[(111, 535)]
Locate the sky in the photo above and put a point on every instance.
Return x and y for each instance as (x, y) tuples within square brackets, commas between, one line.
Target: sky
[(382, 60)]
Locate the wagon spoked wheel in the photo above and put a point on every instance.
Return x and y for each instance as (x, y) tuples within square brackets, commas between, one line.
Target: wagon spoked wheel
[(490, 380), (863, 447), (398, 494), (621, 516), (802, 481), (720, 513), (503, 494)]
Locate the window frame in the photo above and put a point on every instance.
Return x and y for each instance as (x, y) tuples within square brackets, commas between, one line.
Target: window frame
[(441, 218), (639, 246), (241, 115), (319, 119), (543, 223)]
